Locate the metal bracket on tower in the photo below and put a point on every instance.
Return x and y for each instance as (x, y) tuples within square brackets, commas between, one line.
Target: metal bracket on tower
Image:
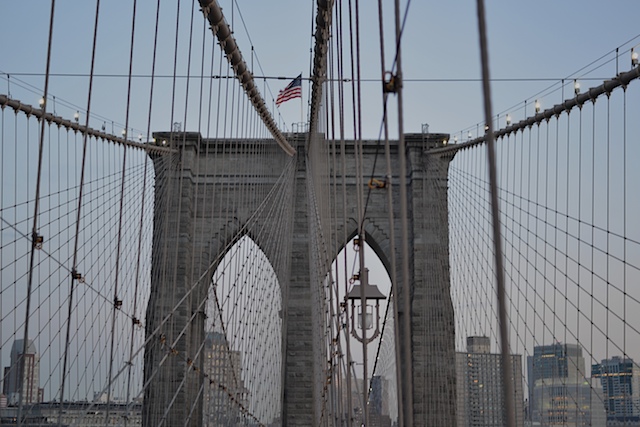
[(375, 183)]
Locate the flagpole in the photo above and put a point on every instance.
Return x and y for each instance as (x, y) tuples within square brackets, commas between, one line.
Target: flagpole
[(301, 115)]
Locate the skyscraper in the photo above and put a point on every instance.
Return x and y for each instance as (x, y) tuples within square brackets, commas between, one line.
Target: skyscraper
[(29, 384), (379, 402), (376, 395), (479, 385), (225, 397), (559, 392), (620, 380), (554, 361)]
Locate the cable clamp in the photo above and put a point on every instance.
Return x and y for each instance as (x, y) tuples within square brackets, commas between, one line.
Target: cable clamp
[(37, 240), (389, 83), (117, 303), (75, 275), (354, 278)]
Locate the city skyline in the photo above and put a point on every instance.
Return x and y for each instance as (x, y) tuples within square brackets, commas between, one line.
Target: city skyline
[(120, 252)]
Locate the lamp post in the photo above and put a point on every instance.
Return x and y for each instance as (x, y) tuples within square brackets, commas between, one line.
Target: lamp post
[(358, 296), (361, 293)]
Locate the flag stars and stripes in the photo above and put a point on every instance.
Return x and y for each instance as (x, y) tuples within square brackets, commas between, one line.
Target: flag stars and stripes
[(293, 90)]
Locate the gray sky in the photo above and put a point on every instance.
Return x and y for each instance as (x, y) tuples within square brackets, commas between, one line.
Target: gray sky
[(544, 40)]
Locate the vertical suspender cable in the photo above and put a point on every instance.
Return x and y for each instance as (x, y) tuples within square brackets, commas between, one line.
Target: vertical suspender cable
[(507, 371), (361, 212), (189, 340), (407, 381), (624, 215), (172, 276), (392, 242), (340, 63), (334, 298), (34, 232), (142, 202), (75, 275), (120, 218), (200, 363)]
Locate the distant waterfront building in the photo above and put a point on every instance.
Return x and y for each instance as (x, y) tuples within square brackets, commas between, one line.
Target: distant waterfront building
[(29, 383), (479, 386), (559, 393), (78, 414), (620, 380)]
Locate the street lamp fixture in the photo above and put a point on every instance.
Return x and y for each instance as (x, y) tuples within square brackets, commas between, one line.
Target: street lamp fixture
[(359, 295)]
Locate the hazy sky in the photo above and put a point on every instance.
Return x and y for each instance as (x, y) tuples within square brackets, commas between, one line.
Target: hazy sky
[(528, 41)]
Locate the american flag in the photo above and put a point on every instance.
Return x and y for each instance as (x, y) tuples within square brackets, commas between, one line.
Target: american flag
[(293, 90)]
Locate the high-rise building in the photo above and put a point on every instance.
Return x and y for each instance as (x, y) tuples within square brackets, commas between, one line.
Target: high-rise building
[(559, 392), (225, 397), (376, 397), (479, 385), (378, 406), (567, 404), (554, 361), (620, 380), (379, 402), (29, 383)]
